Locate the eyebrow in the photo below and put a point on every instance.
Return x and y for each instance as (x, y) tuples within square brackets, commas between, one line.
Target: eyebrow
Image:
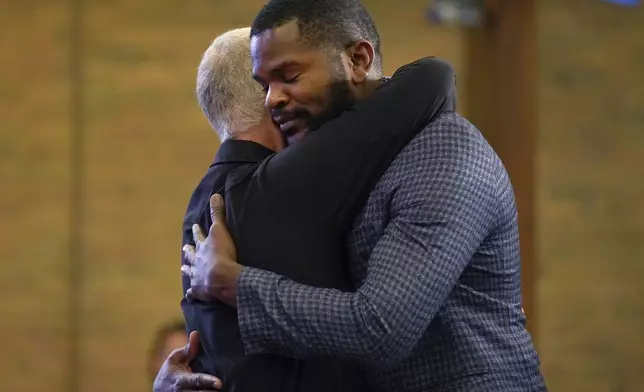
[(287, 63)]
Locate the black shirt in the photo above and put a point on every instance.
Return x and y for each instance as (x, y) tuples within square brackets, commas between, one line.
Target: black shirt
[(287, 213)]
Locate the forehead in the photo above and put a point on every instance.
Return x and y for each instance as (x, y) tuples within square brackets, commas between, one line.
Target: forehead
[(274, 47)]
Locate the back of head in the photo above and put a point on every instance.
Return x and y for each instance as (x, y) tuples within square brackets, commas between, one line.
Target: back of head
[(333, 23), (229, 97)]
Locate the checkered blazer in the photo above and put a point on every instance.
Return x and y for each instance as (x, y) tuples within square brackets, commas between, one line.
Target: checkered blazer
[(435, 256)]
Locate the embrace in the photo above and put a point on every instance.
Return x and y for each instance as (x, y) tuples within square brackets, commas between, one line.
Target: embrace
[(363, 236)]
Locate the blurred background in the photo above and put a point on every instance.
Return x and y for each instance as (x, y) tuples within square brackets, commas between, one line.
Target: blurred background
[(102, 142)]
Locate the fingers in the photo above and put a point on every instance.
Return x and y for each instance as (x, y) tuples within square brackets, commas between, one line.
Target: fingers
[(189, 258), (187, 271), (197, 234), (198, 295), (219, 231), (197, 381), (193, 345), (197, 291), (191, 294), (180, 355), (217, 209), (189, 254)]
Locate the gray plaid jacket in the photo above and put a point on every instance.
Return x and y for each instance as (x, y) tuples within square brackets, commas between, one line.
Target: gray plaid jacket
[(435, 256)]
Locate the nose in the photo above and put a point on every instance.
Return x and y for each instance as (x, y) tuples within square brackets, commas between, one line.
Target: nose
[(275, 98)]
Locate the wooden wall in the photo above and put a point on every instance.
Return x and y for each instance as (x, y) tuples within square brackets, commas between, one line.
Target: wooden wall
[(146, 144)]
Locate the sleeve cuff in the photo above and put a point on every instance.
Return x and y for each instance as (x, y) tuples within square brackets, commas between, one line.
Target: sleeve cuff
[(253, 310)]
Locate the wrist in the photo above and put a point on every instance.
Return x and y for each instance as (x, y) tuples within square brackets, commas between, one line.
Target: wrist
[(229, 276)]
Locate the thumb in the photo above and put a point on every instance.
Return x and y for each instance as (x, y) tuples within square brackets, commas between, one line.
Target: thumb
[(217, 209), (193, 346), (187, 353), (180, 356)]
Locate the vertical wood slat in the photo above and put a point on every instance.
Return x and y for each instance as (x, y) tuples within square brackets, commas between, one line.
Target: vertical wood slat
[(502, 62)]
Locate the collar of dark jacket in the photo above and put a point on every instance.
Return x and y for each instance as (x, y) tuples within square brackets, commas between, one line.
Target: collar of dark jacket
[(241, 151)]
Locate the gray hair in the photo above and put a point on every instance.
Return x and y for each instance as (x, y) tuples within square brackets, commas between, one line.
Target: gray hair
[(229, 97)]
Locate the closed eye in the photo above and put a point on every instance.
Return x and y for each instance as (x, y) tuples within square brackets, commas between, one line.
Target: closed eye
[(291, 80)]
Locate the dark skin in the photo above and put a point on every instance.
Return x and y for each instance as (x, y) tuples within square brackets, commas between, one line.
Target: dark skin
[(297, 78), (176, 376), (304, 85), (218, 256)]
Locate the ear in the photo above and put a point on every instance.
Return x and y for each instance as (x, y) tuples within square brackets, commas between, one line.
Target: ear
[(361, 55)]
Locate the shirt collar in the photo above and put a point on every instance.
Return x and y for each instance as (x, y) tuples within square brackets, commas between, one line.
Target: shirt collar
[(241, 151)]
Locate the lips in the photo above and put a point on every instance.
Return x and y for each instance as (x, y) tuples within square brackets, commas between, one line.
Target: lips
[(289, 128), (283, 119), (287, 124)]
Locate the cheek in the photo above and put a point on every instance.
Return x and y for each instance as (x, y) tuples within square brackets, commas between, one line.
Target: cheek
[(313, 96)]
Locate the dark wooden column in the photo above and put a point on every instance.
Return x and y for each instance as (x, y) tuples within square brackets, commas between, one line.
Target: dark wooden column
[(502, 63)]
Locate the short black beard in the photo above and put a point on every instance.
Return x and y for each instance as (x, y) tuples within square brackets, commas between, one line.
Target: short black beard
[(341, 98)]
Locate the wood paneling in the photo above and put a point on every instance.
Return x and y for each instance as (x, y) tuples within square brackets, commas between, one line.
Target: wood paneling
[(502, 95), (34, 194)]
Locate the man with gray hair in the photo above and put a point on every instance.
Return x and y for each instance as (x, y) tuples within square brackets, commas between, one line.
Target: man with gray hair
[(233, 103), (229, 97), (344, 157)]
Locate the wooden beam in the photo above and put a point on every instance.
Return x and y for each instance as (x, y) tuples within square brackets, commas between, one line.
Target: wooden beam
[(501, 85)]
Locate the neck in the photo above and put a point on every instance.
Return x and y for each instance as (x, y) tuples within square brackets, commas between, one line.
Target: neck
[(268, 138)]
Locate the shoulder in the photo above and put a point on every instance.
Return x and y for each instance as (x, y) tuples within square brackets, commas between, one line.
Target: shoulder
[(448, 132), (449, 157), (449, 139)]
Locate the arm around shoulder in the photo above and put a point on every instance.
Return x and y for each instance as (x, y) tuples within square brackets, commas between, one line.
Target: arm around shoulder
[(441, 212)]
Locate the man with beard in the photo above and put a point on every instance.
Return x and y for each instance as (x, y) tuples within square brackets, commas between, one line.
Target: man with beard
[(337, 165), (434, 251)]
